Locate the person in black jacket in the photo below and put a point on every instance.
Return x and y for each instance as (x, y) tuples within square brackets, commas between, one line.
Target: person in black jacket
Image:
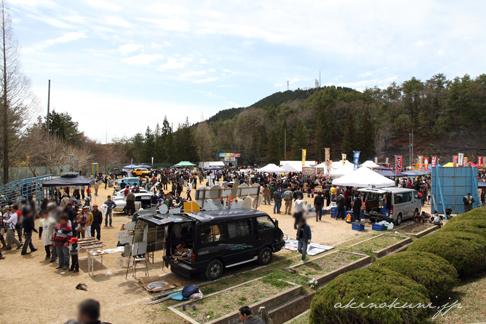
[(357, 209), (97, 221), (29, 226), (468, 201), (341, 202), (318, 204)]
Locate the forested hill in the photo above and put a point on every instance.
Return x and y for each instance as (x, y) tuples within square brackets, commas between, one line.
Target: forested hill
[(275, 99)]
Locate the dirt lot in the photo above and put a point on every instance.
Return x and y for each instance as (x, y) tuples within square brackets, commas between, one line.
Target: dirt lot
[(34, 292)]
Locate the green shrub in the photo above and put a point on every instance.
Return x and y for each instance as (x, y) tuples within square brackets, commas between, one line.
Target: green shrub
[(465, 251), (376, 286), (478, 213), (430, 270), (477, 226)]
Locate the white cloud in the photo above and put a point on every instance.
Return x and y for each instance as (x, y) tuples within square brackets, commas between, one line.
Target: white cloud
[(143, 59), (173, 63), (211, 70), (128, 48), (203, 61), (206, 80), (366, 74), (159, 46), (421, 43), (116, 21), (169, 24), (103, 5), (192, 73), (69, 37)]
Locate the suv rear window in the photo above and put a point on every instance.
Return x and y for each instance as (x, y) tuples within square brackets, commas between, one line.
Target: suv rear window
[(211, 234), (264, 223)]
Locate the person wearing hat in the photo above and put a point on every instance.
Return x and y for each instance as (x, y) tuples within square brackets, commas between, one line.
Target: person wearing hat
[(73, 252), (65, 201), (81, 220)]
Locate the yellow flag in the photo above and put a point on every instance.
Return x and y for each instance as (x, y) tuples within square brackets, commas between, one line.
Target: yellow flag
[(303, 157)]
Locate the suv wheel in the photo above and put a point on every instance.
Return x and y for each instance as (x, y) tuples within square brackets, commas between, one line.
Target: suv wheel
[(214, 270), (399, 219), (265, 256)]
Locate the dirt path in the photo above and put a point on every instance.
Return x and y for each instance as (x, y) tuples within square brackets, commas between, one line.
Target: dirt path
[(34, 292)]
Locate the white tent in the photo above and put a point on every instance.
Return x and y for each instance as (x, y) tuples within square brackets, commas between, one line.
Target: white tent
[(364, 178), (288, 168), (271, 168), (297, 165), (338, 164), (322, 166), (342, 171), (370, 164)]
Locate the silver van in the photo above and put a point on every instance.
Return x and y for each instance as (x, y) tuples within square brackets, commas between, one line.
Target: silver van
[(396, 204)]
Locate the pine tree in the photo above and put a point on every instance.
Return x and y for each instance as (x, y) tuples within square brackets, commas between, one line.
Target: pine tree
[(349, 140), (148, 146), (283, 139), (367, 137), (299, 142), (167, 147), (159, 144), (323, 133)]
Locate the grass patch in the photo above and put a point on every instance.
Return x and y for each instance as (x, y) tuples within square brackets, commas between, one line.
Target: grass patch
[(302, 319), (221, 304), (414, 228), (374, 245), (326, 264)]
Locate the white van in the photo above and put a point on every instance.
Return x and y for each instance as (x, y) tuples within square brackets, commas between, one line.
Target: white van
[(396, 204)]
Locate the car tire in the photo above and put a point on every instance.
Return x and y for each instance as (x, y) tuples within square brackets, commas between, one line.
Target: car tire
[(214, 270), (265, 256), (399, 220)]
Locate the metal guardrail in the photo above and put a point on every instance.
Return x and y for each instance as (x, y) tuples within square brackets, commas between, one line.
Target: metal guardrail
[(30, 188)]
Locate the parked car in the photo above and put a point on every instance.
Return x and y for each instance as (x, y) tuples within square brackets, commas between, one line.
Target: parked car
[(121, 193), (208, 242), (142, 200), (128, 180), (141, 172), (120, 173), (391, 204)]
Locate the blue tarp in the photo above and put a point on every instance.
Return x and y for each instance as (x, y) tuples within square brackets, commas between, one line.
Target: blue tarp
[(131, 167)]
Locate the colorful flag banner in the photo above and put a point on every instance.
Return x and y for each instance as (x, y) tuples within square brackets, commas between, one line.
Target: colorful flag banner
[(356, 159), (398, 164), (460, 159), (454, 160), (434, 161), (303, 157), (344, 157)]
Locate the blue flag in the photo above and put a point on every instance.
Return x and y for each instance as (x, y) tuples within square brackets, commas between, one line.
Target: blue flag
[(356, 159)]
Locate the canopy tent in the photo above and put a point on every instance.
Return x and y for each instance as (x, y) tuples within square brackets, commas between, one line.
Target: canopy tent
[(69, 179), (364, 178), (145, 166), (322, 166), (289, 168), (184, 164), (131, 167), (297, 165), (342, 171), (481, 184), (213, 168), (388, 173), (382, 167), (370, 164), (448, 165), (410, 173), (271, 168), (339, 164)]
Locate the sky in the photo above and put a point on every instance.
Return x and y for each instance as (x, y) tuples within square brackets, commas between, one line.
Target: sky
[(120, 66)]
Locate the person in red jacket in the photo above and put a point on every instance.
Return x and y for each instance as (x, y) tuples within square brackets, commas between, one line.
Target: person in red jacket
[(63, 234)]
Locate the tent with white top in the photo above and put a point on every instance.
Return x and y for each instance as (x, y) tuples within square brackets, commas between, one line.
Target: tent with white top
[(322, 166), (342, 171), (271, 168), (370, 164), (297, 165), (289, 168), (364, 178), (340, 163)]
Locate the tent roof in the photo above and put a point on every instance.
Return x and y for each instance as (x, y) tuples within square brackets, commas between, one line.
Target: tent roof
[(297, 165), (481, 184), (184, 164), (364, 178), (288, 168), (271, 168), (370, 164), (144, 166), (131, 166), (388, 173), (339, 164), (448, 165), (411, 173), (342, 171), (69, 179), (213, 167)]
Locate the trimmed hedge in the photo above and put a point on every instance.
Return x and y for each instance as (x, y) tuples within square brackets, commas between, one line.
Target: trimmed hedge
[(433, 272), (466, 225), (465, 251), (376, 286)]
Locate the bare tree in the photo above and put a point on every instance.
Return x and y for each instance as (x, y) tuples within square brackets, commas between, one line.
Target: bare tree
[(203, 141), (18, 104)]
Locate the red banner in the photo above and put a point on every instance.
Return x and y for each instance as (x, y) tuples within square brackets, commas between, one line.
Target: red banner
[(434, 161), (454, 160), (398, 164)]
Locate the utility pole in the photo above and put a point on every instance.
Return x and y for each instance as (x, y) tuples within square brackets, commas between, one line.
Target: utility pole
[(48, 106), (319, 79), (287, 85)]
